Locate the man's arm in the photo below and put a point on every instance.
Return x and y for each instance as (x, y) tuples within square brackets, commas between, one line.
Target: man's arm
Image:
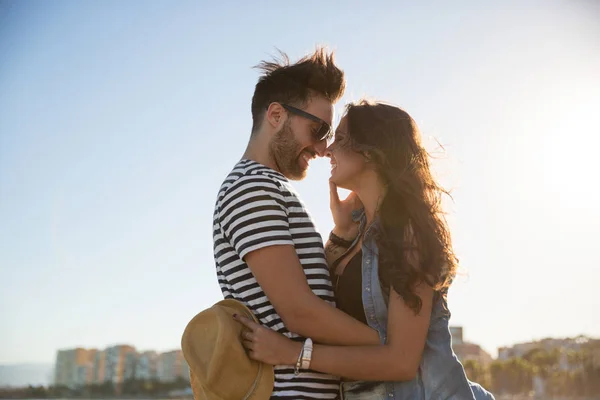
[(253, 217), (279, 273)]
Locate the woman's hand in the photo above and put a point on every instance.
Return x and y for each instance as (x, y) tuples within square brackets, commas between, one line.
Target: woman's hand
[(341, 210), (266, 345)]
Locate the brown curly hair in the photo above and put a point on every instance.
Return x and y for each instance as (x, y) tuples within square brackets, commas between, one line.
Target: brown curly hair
[(411, 219)]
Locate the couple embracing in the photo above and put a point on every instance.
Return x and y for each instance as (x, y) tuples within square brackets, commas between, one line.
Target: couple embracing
[(364, 316)]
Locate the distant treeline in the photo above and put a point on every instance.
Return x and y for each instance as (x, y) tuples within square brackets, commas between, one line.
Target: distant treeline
[(132, 388), (571, 373)]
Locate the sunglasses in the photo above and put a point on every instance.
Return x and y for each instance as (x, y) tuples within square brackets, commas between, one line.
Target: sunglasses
[(323, 133)]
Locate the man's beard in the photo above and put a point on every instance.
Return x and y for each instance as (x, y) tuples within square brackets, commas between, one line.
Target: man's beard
[(284, 149)]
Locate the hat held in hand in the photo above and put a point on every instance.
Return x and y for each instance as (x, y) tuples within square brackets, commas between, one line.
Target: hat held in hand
[(220, 368)]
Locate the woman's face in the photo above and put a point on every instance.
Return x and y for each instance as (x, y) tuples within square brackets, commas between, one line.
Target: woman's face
[(347, 165)]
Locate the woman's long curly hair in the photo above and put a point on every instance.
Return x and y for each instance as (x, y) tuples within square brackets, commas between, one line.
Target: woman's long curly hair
[(411, 225)]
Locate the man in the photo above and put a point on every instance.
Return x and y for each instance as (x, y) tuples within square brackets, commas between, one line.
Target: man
[(267, 250)]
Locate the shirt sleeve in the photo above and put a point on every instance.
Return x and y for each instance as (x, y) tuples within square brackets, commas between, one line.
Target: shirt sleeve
[(253, 215)]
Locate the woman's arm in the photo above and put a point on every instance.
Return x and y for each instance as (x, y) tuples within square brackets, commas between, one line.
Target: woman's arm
[(334, 252), (396, 360), (399, 358)]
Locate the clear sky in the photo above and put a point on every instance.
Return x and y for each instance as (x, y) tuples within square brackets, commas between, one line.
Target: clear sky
[(119, 120)]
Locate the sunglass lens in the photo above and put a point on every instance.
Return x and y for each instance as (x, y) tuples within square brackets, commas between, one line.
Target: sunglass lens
[(325, 132)]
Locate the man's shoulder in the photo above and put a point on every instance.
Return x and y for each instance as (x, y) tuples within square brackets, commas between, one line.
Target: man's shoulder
[(249, 181), (248, 174)]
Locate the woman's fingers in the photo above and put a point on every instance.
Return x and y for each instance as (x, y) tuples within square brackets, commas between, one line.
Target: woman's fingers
[(334, 197), (247, 335), (247, 322)]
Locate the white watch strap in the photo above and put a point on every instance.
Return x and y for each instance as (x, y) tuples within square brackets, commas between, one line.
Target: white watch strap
[(307, 353)]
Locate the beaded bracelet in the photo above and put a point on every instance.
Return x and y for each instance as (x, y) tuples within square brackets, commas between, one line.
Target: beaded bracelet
[(299, 362)]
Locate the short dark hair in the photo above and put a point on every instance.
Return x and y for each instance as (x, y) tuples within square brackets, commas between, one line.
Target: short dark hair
[(314, 74)]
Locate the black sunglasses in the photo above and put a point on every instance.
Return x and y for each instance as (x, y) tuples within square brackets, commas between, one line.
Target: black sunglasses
[(324, 133)]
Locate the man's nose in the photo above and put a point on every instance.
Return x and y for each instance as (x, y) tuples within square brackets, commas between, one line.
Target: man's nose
[(322, 149), (328, 150)]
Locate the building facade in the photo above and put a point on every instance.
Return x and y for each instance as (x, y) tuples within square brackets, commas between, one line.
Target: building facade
[(99, 367), (171, 365), (467, 351), (147, 366), (116, 364), (74, 367), (115, 358)]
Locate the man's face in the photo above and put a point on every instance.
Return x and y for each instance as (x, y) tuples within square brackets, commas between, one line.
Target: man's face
[(297, 143)]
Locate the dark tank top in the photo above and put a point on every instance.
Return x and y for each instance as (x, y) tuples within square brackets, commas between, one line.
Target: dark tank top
[(348, 289)]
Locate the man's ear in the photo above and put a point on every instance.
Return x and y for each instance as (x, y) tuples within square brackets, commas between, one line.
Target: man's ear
[(276, 115)]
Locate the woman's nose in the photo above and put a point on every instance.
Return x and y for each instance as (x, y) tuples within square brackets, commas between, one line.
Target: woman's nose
[(329, 150)]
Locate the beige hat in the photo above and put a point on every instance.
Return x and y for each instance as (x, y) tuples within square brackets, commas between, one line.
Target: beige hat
[(220, 368)]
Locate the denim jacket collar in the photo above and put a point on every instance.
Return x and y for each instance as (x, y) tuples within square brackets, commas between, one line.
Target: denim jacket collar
[(358, 214)]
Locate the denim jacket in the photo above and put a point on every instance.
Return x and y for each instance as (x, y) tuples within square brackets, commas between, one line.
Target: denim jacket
[(440, 376)]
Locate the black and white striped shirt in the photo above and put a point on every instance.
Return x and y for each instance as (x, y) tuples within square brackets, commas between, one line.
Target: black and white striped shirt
[(257, 207)]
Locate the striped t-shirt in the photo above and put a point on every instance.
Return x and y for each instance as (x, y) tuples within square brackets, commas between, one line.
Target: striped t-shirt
[(257, 207)]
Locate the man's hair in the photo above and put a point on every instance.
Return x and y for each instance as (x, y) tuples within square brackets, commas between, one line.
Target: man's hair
[(294, 84)]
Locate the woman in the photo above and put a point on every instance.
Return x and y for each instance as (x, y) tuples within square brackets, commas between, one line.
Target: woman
[(391, 264)]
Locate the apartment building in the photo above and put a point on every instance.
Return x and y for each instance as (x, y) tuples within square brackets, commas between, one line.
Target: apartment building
[(99, 367), (130, 366), (467, 351), (78, 367), (115, 359), (74, 367), (471, 351), (147, 364), (171, 365)]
